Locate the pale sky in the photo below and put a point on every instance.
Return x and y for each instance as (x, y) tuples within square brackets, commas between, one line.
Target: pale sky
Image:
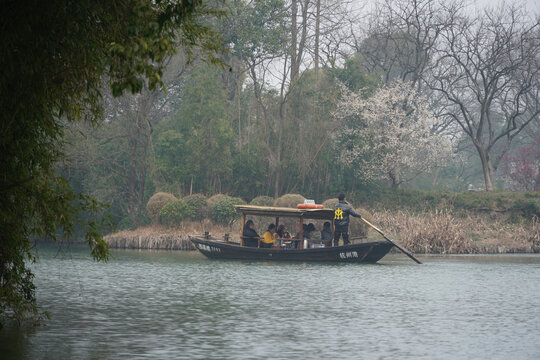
[(532, 5)]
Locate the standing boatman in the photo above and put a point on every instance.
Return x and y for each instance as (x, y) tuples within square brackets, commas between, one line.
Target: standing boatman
[(342, 211)]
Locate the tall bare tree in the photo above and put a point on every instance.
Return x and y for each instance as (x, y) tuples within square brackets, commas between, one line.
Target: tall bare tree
[(488, 75), (402, 35)]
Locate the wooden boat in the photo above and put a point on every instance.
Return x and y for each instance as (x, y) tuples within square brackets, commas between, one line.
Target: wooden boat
[(214, 248)]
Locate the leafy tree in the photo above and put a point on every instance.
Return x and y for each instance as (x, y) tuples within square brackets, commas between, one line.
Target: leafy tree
[(202, 162), (249, 171), (54, 60)]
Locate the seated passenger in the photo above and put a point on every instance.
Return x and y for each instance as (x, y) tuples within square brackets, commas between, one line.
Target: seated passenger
[(251, 238), (314, 236), (306, 234), (326, 234), (282, 232), (269, 237), (313, 233)]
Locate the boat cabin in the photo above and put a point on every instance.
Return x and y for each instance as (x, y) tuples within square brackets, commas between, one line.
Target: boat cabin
[(282, 212)]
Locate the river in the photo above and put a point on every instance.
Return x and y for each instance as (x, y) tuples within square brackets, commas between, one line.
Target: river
[(179, 305)]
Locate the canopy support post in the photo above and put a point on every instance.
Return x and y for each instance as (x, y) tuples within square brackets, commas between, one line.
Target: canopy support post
[(333, 234), (301, 233), (243, 225)]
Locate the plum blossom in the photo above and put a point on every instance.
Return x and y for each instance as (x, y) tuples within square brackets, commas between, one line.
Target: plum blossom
[(388, 135)]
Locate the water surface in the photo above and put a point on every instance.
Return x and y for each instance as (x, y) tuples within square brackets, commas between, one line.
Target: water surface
[(177, 305)]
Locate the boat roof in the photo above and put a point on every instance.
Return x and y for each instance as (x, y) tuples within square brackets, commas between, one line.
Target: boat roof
[(317, 214)]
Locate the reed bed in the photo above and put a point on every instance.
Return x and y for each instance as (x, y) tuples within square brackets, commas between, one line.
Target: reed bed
[(158, 237), (436, 232), (440, 232), (429, 233)]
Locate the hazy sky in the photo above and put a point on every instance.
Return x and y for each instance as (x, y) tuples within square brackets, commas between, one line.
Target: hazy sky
[(532, 5)]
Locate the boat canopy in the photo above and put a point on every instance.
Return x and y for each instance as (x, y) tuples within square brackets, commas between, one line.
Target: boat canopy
[(271, 211)]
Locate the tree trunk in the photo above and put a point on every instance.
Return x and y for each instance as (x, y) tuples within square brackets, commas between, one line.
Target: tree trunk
[(294, 39), (317, 32), (394, 179), (487, 168), (132, 170)]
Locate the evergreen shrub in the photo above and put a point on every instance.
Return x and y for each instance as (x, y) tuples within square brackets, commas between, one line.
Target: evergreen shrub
[(174, 213), (156, 203), (262, 201), (198, 206), (223, 211), (289, 200)]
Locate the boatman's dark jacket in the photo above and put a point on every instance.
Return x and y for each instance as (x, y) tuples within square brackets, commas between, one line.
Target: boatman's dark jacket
[(342, 211)]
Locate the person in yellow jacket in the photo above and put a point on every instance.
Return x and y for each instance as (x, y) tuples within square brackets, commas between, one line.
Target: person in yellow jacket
[(269, 236)]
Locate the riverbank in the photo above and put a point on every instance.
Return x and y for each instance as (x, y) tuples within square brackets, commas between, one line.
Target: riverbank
[(423, 233), (159, 237), (443, 233)]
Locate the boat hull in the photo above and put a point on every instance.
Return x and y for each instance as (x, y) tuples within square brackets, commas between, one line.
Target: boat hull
[(357, 253)]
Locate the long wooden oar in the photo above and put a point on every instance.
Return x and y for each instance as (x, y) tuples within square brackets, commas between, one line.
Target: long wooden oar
[(403, 250)]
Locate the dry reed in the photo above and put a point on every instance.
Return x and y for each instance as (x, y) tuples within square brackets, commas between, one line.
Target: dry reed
[(430, 233)]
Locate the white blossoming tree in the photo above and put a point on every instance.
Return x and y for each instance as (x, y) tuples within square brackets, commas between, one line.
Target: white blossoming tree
[(388, 135)]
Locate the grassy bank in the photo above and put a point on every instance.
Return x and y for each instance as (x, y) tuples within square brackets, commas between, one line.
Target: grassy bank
[(431, 222), (509, 206), (423, 233), (159, 237)]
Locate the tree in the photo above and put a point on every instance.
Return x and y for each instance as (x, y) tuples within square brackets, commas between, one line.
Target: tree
[(117, 155), (487, 75), (521, 168), (388, 135), (200, 139), (54, 60), (402, 36)]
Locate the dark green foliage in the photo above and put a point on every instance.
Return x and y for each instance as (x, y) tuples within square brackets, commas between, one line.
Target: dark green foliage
[(249, 169), (517, 205), (156, 203), (198, 206), (354, 76), (262, 201), (194, 148), (213, 199), (54, 58), (223, 211), (175, 212), (133, 222)]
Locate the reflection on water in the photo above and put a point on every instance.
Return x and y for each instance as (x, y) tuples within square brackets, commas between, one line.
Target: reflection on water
[(179, 305)]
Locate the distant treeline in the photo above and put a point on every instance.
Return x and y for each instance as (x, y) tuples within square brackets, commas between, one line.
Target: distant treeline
[(303, 104)]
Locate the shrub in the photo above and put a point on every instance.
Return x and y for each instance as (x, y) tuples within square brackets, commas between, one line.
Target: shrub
[(133, 221), (174, 213), (213, 199), (289, 200), (198, 206), (156, 203), (262, 201), (223, 211), (330, 203)]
